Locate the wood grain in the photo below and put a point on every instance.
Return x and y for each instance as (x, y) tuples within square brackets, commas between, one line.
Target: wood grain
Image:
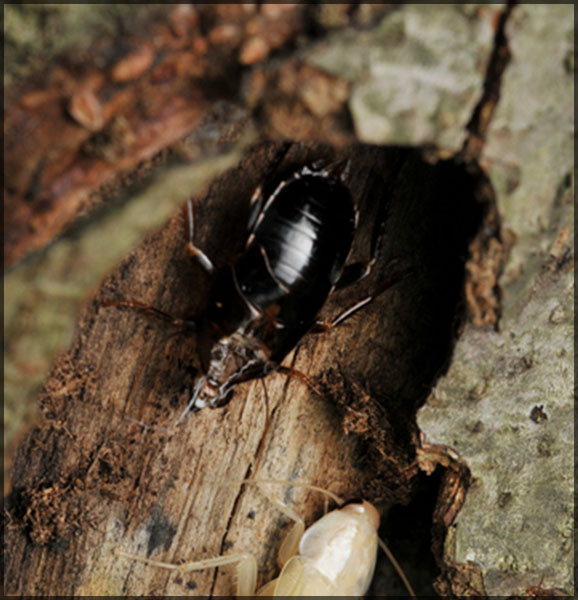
[(90, 480)]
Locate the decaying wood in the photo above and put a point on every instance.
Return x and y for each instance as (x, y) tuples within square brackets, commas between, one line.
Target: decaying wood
[(90, 479)]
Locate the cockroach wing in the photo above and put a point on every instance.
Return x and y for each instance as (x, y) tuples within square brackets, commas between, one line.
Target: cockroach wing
[(268, 590), (342, 546), (299, 578)]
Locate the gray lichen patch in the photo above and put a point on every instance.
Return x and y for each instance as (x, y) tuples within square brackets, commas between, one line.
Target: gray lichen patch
[(518, 515), (418, 75), (531, 138), (506, 403)]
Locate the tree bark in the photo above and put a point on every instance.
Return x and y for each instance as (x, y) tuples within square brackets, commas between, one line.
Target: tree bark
[(104, 470)]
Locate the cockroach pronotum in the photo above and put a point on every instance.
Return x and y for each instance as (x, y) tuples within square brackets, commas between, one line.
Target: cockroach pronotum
[(335, 556), (300, 234)]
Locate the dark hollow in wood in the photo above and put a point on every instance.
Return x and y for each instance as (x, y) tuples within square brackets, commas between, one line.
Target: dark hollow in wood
[(90, 480)]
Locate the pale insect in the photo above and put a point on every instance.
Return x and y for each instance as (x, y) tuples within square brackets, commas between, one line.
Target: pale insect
[(335, 556)]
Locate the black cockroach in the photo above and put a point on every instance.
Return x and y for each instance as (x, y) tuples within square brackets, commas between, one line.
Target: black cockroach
[(300, 234)]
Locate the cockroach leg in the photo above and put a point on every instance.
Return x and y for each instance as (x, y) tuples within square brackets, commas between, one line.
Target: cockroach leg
[(339, 169), (290, 545), (321, 326), (194, 251), (291, 372), (396, 276), (150, 310), (257, 200), (247, 569), (355, 272), (262, 191)]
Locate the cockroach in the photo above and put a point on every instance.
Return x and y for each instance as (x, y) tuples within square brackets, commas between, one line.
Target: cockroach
[(335, 556), (300, 234)]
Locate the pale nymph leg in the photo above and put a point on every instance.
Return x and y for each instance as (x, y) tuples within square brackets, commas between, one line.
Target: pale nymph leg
[(246, 571)]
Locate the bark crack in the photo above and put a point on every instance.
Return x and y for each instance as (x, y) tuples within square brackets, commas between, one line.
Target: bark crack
[(252, 467), (484, 111)]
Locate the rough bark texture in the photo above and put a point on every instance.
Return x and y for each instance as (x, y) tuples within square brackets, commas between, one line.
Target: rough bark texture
[(484, 220), (506, 404)]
